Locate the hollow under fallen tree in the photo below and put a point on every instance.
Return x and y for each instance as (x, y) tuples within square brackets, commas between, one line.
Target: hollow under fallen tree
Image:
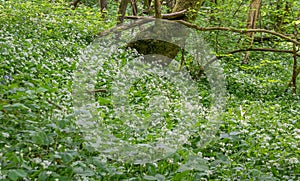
[(183, 10)]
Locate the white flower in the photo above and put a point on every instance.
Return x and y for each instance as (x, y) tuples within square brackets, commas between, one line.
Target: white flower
[(5, 135), (199, 154), (45, 164), (37, 160), (293, 160)]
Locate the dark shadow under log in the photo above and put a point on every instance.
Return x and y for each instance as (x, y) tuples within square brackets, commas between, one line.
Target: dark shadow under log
[(153, 46), (163, 38)]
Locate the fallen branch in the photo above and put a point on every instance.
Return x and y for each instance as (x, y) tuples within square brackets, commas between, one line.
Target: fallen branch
[(54, 104), (260, 50), (249, 49), (170, 16), (241, 31), (98, 90)]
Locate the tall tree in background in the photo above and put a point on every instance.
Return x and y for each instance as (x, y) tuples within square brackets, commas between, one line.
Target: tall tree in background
[(296, 67), (251, 24)]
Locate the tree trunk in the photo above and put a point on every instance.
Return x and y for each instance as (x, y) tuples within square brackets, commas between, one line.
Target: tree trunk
[(75, 3), (122, 10), (134, 7), (157, 9), (296, 68), (251, 24), (103, 5)]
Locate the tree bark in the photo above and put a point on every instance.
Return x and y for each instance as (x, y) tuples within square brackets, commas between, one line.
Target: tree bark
[(103, 5), (251, 24), (158, 9), (122, 10), (296, 68), (75, 3)]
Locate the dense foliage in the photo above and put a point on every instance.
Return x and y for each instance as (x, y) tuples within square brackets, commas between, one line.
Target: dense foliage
[(40, 42)]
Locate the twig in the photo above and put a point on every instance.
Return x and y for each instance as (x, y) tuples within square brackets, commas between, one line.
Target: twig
[(56, 105), (241, 31), (98, 90), (248, 49), (260, 50), (169, 16)]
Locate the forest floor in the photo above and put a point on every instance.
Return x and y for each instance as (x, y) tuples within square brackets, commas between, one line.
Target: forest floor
[(257, 135)]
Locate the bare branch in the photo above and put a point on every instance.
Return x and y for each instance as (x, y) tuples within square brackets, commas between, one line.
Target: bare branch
[(175, 15), (217, 28), (241, 31), (169, 16), (248, 49), (98, 90), (260, 50), (54, 104)]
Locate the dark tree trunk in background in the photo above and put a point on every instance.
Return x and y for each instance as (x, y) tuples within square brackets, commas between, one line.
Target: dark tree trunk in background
[(75, 3), (122, 10), (134, 7), (103, 5)]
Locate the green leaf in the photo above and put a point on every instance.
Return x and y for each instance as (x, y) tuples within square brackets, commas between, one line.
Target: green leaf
[(16, 174), (15, 106), (149, 177), (41, 138), (43, 176)]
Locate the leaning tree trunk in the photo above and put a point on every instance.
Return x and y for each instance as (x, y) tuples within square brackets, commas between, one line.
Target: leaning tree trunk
[(296, 67), (166, 49), (251, 24)]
